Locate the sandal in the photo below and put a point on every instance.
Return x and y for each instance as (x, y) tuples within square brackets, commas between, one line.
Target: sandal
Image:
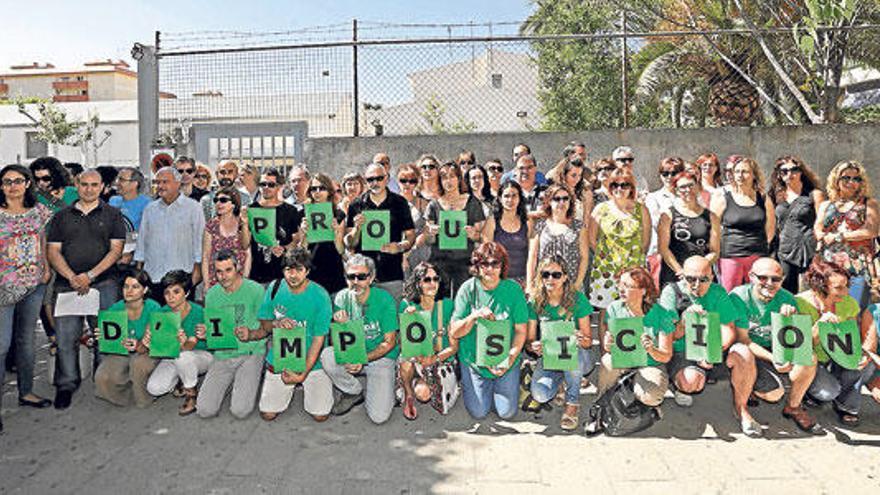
[(570, 419), (751, 428), (847, 419), (189, 403), (529, 404), (409, 408), (802, 419)]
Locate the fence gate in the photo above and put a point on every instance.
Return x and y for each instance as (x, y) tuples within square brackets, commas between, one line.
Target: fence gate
[(270, 144)]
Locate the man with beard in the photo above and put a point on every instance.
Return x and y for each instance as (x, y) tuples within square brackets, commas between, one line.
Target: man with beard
[(227, 175)]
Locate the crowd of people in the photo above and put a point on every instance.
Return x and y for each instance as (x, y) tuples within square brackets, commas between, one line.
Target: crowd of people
[(580, 242)]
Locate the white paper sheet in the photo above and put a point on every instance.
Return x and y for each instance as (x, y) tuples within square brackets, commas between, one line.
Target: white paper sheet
[(73, 304)]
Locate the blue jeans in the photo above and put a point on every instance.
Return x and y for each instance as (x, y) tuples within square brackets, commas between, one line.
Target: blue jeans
[(19, 321), (545, 383), (838, 384), (68, 330), (481, 394), (860, 291)]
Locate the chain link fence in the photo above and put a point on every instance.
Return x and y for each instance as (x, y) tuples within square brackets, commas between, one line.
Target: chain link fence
[(368, 79)]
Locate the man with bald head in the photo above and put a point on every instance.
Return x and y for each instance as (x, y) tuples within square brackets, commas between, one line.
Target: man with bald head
[(227, 176), (385, 160), (755, 302), (85, 241), (170, 236), (696, 292)]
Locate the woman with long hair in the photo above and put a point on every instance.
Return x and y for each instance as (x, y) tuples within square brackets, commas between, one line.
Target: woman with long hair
[(409, 179), (796, 191), (227, 230), (328, 256), (562, 234), (512, 228), (555, 298)]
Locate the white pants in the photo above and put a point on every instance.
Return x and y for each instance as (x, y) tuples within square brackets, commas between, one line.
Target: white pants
[(186, 368), (317, 389), (381, 377)]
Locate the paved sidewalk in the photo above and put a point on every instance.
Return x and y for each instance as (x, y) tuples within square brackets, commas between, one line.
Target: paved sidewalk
[(97, 448)]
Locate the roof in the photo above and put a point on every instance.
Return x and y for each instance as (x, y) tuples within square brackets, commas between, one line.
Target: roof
[(57, 71)]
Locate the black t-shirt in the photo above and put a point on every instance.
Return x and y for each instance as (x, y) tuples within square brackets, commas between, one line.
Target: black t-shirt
[(197, 193), (327, 263), (389, 267), (266, 267), (85, 238)]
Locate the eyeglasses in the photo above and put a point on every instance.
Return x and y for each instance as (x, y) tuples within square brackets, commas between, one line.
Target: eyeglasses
[(14, 182), (268, 184), (560, 199), (852, 178), (315, 189), (462, 164), (429, 166), (357, 276), (378, 178), (125, 179), (625, 160), (203, 176), (768, 278), (789, 170), (668, 173), (686, 186), (431, 280), (620, 185), (44, 178), (408, 181), (548, 274), (607, 169), (691, 279), (490, 264), (189, 171), (496, 169), (221, 199)]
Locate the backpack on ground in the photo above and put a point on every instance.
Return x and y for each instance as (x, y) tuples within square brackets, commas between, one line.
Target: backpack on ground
[(617, 412)]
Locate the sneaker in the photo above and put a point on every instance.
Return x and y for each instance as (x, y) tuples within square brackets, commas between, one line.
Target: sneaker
[(346, 402), (63, 398), (683, 399)]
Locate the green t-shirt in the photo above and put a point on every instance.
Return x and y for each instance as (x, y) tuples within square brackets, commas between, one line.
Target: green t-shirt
[(715, 300), (506, 301), (136, 328), (755, 315), (581, 308), (379, 315), (311, 309), (196, 316), (71, 195), (436, 319), (245, 303), (657, 320), (846, 309)]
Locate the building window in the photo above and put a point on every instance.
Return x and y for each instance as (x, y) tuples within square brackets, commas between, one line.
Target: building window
[(496, 81), (35, 147)]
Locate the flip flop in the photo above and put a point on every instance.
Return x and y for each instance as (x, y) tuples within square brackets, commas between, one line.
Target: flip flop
[(409, 408)]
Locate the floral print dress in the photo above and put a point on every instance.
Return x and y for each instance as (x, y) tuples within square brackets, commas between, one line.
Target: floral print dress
[(618, 247)]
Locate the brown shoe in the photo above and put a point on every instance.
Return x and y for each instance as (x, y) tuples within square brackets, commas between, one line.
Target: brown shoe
[(802, 419), (189, 402)]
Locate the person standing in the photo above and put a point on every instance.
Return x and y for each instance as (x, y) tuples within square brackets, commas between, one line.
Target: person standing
[(85, 242), (266, 260), (186, 167), (170, 237), (227, 176)]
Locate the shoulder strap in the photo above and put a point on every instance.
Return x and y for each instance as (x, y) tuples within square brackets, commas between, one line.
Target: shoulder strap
[(275, 286)]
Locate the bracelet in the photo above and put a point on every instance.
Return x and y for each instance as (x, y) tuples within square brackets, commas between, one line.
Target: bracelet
[(90, 275)]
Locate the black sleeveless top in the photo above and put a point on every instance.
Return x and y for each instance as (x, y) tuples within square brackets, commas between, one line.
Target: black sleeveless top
[(688, 236), (742, 228)]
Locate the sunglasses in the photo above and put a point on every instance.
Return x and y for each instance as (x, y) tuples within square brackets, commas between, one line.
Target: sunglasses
[(357, 276), (429, 166), (14, 182), (221, 199), (315, 189), (490, 264), (605, 169), (45, 178), (496, 169), (852, 178), (203, 176), (408, 181), (668, 173), (189, 171), (620, 185), (268, 184), (548, 274), (625, 160), (431, 280), (691, 279), (378, 178), (560, 199), (789, 170), (685, 187), (768, 278)]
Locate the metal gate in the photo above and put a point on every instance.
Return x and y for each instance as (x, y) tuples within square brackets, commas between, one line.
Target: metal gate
[(270, 144)]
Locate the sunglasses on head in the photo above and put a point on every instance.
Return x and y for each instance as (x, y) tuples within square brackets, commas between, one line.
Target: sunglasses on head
[(268, 184), (408, 181), (357, 276), (768, 278), (378, 178), (691, 279), (431, 280), (620, 185), (315, 189), (221, 199), (548, 274)]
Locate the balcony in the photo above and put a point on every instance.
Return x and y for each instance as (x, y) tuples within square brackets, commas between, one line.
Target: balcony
[(70, 85), (4, 88), (69, 98)]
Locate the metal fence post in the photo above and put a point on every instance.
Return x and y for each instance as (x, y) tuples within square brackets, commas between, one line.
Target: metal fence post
[(354, 62), (623, 72), (148, 101)]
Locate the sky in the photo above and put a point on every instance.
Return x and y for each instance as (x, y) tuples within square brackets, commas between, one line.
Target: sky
[(67, 33)]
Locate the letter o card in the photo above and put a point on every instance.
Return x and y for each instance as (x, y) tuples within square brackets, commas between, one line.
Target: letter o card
[(792, 339), (113, 329), (376, 231), (493, 342), (416, 335), (627, 350), (349, 342), (289, 349), (560, 345)]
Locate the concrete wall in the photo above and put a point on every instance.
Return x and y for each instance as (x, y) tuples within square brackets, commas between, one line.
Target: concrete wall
[(820, 146)]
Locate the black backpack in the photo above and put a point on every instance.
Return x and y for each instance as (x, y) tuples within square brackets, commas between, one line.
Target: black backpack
[(617, 412)]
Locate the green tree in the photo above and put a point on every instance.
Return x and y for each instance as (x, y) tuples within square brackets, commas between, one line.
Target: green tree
[(435, 117)]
